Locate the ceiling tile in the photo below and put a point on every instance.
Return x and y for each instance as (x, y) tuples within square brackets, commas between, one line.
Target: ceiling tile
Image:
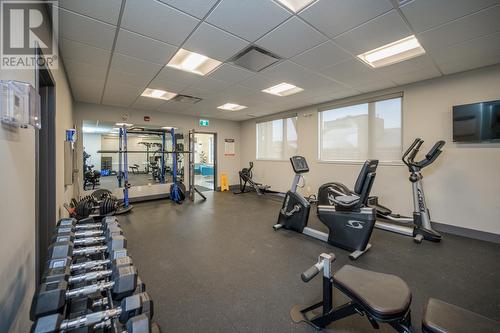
[(248, 19), (159, 83), (147, 103), (168, 74), (214, 43), (107, 11), (334, 17), (321, 56), (76, 69), (230, 74), (260, 82), (86, 30), (129, 78), (291, 38), (468, 55), (135, 45), (351, 72), (120, 94), (198, 8), (384, 29), (375, 85), (86, 89), (297, 75), (157, 20), (426, 14), (472, 26), (172, 106), (75, 51), (210, 85), (126, 64), (416, 69)]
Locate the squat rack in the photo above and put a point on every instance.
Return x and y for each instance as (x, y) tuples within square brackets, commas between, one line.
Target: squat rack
[(123, 161)]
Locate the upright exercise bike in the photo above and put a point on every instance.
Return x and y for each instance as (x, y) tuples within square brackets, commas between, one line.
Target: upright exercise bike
[(419, 225), (350, 223)]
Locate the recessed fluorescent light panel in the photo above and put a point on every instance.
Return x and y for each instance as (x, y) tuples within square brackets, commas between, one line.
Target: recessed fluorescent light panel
[(392, 53), (231, 107), (193, 62), (157, 93), (124, 124), (283, 89), (296, 5)]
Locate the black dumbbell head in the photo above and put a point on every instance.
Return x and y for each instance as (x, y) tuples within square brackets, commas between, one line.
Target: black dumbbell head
[(138, 324), (137, 304), (60, 250), (50, 298), (116, 242), (125, 281), (66, 222), (47, 324)]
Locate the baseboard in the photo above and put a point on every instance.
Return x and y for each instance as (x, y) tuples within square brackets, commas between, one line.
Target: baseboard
[(465, 232)]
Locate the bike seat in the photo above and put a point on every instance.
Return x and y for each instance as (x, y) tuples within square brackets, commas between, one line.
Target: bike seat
[(442, 317), (347, 200), (384, 297)]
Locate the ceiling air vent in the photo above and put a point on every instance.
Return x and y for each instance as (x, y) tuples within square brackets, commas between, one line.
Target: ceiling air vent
[(255, 59), (186, 99)]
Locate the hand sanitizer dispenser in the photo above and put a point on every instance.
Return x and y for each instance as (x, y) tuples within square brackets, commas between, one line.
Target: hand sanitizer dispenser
[(19, 104)]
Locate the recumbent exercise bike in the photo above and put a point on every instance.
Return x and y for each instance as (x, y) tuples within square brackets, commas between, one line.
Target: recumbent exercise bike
[(349, 222)]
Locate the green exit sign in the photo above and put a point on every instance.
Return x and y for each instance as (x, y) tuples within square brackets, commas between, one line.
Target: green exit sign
[(204, 122)]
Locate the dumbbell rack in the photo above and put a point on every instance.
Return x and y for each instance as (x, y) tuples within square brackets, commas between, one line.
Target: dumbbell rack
[(79, 311)]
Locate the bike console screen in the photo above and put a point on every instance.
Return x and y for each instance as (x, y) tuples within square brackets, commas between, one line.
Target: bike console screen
[(299, 164)]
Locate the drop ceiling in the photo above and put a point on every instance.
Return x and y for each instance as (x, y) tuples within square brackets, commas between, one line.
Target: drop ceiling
[(112, 50)]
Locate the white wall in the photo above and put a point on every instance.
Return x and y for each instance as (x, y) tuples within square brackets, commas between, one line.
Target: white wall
[(461, 186), (224, 128), (17, 203)]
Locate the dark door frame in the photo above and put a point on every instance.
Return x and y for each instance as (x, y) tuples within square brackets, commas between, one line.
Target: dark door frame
[(45, 169), (216, 161)]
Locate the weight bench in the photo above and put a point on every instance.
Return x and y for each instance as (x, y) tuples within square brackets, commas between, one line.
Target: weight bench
[(381, 298), (441, 317)]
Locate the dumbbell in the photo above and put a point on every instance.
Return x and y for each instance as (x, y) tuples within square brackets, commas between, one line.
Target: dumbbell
[(97, 229), (135, 311), (88, 237), (52, 296), (62, 269), (86, 223), (115, 247)]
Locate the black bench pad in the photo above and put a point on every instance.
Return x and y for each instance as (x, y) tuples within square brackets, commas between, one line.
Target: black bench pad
[(385, 297), (441, 317)]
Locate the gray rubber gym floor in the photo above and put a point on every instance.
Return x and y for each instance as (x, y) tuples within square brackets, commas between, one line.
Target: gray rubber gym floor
[(218, 266)]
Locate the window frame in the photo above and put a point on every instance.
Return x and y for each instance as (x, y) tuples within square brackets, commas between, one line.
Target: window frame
[(284, 134), (369, 101)]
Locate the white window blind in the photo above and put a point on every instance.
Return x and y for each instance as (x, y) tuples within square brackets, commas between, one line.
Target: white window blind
[(277, 139), (370, 130)]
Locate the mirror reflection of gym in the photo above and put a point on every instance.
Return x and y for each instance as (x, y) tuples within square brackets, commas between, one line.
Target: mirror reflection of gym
[(148, 164)]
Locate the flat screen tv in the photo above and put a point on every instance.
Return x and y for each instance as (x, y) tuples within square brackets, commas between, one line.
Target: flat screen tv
[(478, 122)]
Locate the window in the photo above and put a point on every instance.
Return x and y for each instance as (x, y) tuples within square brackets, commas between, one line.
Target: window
[(277, 139), (361, 131)]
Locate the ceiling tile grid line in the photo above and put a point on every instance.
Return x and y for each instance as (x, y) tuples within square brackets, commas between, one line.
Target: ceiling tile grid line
[(84, 16), (457, 18), (405, 19), (120, 16), (182, 44), (300, 58), (337, 45)]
